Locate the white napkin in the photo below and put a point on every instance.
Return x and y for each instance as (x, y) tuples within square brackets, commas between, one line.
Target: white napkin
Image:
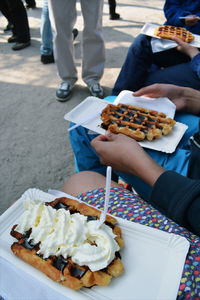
[(160, 104), (159, 45)]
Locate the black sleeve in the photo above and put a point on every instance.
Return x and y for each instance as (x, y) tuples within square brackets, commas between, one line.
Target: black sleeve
[(178, 198)]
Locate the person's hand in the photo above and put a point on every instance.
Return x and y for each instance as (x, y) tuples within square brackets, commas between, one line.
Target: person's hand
[(124, 154), (191, 20), (185, 99), (185, 48)]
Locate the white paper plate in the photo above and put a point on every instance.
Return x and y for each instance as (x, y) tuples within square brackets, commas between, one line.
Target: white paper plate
[(153, 260), (93, 106), (149, 28)]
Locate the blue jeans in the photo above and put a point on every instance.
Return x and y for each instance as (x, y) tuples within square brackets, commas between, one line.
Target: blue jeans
[(45, 31), (142, 67), (86, 157)]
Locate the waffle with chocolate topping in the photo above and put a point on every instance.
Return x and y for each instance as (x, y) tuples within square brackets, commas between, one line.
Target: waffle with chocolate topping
[(168, 31), (136, 122), (64, 270)]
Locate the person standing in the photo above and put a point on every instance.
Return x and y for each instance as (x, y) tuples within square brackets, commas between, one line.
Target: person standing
[(63, 17), (112, 10), (46, 48), (19, 19)]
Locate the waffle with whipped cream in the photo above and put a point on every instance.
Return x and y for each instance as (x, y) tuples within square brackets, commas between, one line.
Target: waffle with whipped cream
[(62, 239), (168, 31), (136, 122)]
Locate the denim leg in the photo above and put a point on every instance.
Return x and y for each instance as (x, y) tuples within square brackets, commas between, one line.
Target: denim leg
[(180, 74), (135, 68), (46, 47), (86, 157)]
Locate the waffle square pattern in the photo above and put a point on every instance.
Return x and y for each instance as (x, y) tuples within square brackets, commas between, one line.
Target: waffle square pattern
[(136, 122)]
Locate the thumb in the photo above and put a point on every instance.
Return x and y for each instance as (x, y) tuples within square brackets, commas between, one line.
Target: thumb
[(111, 136)]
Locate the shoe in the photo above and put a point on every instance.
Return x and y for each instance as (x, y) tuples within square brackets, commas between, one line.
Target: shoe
[(75, 33), (47, 59), (12, 39), (9, 27), (114, 16), (64, 92), (96, 90), (19, 46), (30, 6)]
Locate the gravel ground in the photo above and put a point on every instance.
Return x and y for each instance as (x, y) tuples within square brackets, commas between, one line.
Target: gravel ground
[(34, 146)]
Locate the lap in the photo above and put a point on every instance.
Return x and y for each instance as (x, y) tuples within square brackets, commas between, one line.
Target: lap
[(129, 206)]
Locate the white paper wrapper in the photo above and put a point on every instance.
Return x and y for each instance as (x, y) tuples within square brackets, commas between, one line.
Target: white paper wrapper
[(159, 44), (146, 249), (166, 143), (159, 104)]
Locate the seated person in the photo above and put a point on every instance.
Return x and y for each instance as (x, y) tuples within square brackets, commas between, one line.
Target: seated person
[(172, 66), (187, 101), (176, 196)]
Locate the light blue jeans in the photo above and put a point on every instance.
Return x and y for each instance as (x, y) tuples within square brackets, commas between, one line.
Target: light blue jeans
[(45, 31), (86, 157)]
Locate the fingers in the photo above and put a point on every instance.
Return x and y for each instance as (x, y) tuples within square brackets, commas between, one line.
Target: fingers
[(149, 91), (178, 41)]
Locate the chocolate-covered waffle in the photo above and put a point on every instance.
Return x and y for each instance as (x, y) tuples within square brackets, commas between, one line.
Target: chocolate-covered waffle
[(168, 31), (136, 122), (61, 238)]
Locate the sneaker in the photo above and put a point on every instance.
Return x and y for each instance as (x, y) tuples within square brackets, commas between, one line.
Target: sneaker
[(64, 92), (9, 27), (19, 46), (114, 16), (96, 90), (75, 33), (12, 39), (47, 59)]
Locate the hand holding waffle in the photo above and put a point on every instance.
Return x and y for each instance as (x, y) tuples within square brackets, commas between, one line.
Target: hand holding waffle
[(185, 47), (124, 154), (185, 99)]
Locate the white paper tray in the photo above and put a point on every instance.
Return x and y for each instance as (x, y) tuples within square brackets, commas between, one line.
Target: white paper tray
[(149, 28), (153, 260), (94, 106)]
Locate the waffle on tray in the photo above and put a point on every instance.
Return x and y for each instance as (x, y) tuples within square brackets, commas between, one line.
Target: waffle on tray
[(136, 122), (168, 31), (65, 271)]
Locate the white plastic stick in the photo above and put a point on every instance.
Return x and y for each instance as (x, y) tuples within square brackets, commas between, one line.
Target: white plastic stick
[(107, 196)]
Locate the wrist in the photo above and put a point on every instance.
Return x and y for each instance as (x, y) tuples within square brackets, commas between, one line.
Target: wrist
[(146, 169), (193, 52)]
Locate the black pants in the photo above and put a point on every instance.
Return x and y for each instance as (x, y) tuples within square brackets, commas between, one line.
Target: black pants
[(4, 8), (19, 20), (30, 2), (112, 6)]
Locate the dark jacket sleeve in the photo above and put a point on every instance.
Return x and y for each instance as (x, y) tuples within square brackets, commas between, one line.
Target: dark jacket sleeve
[(178, 198), (173, 10)]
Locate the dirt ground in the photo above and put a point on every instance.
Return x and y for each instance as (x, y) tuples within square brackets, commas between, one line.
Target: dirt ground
[(34, 145)]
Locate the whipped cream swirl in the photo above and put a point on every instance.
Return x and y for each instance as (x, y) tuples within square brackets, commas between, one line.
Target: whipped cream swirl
[(69, 235)]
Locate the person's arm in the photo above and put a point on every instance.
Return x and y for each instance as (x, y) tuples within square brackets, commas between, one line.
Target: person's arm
[(185, 99), (174, 195), (124, 154), (173, 10), (178, 198)]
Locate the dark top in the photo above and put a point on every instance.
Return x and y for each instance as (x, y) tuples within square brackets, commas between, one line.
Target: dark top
[(177, 196), (173, 9)]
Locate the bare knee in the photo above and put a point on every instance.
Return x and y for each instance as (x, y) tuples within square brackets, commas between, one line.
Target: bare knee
[(84, 181)]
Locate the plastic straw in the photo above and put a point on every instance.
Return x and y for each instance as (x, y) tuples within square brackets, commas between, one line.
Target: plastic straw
[(107, 196)]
